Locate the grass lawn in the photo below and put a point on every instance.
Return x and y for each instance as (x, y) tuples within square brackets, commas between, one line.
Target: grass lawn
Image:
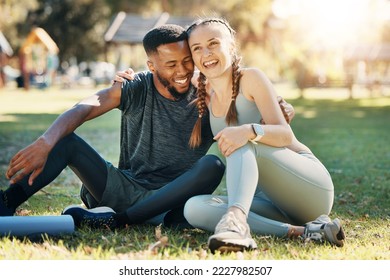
[(351, 137)]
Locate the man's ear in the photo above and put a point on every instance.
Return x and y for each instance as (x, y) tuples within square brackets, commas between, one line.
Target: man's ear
[(150, 66)]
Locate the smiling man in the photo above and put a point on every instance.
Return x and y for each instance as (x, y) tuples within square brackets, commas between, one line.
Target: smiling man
[(157, 172)]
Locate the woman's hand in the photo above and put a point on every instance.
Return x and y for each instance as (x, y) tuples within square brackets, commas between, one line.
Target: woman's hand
[(234, 137)]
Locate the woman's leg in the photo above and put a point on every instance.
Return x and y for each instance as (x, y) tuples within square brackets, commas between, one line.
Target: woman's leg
[(205, 211), (241, 178), (297, 184), (202, 178), (298, 187), (290, 179), (232, 232)]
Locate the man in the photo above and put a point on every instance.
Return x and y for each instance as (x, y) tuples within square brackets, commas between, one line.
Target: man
[(157, 171)]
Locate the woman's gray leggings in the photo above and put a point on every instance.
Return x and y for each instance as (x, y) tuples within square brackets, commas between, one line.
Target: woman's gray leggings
[(275, 187)]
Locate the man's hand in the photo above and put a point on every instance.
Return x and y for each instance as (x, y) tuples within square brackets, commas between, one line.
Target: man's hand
[(121, 76), (31, 159), (287, 110)]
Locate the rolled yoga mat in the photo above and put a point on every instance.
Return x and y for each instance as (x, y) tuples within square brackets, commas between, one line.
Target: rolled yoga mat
[(36, 225)]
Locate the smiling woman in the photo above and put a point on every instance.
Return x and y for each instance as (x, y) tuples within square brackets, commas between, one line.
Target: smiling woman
[(257, 155)]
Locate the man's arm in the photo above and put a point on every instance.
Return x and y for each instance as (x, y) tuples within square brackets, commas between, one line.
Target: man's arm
[(287, 108), (32, 159)]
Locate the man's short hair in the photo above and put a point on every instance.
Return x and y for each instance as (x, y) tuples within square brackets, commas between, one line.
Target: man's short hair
[(164, 34)]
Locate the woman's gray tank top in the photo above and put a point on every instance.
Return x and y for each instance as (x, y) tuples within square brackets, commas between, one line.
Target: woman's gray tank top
[(247, 112)]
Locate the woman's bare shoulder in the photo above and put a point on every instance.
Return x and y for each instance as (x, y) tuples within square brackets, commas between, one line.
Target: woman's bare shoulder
[(253, 79), (252, 73)]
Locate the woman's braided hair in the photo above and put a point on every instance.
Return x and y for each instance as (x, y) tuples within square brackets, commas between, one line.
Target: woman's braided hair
[(231, 116)]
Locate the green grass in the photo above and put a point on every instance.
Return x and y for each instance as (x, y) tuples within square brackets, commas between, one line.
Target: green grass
[(349, 136)]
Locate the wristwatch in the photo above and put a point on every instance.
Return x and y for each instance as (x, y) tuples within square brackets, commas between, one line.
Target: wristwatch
[(258, 130)]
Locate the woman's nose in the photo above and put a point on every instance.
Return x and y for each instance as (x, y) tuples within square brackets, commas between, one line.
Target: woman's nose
[(206, 52)]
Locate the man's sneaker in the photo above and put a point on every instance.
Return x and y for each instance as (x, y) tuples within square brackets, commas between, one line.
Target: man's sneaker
[(97, 218), (324, 229), (231, 235), (4, 210)]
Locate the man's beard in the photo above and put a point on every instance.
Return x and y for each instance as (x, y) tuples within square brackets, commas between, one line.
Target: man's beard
[(175, 94)]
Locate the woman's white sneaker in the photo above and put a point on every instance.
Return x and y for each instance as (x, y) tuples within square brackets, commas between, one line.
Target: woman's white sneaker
[(231, 235), (324, 229)]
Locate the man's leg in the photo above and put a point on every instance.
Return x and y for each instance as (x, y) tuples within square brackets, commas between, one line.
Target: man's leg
[(202, 178), (71, 151)]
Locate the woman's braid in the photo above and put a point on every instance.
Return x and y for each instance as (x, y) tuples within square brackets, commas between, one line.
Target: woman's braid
[(196, 135), (232, 115)]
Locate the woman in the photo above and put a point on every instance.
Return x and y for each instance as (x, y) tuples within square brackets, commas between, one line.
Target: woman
[(273, 180)]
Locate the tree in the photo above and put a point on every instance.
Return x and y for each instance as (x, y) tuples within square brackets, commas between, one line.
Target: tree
[(135, 6), (12, 12), (77, 26)]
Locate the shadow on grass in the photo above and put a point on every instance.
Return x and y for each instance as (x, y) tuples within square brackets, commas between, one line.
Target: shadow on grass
[(19, 130)]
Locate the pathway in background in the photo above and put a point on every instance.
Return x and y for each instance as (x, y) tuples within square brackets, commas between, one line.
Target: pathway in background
[(288, 91), (14, 100)]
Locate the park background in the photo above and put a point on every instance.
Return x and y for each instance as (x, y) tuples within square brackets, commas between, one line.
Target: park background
[(329, 59)]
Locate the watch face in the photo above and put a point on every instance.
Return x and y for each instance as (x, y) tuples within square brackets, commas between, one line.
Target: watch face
[(258, 129)]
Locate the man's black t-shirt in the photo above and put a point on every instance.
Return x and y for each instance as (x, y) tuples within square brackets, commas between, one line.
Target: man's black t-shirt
[(155, 132)]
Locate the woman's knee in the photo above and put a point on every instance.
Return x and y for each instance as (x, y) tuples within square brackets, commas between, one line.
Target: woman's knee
[(242, 153), (191, 211), (205, 211), (196, 210)]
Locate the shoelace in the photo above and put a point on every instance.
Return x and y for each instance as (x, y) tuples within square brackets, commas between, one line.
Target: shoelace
[(229, 224), (314, 235)]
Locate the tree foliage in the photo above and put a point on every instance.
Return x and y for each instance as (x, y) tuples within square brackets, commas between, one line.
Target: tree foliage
[(134, 6), (11, 13), (76, 26)]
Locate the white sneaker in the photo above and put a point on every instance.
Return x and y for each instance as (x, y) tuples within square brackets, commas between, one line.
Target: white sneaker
[(231, 235), (323, 228)]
